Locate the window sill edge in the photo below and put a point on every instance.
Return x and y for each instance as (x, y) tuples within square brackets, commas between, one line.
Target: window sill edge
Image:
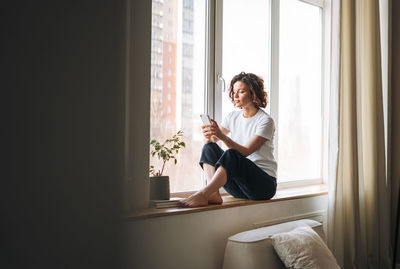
[(229, 201)]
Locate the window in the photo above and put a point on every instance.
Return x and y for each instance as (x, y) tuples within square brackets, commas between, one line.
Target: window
[(187, 50), (300, 91), (187, 81), (188, 26), (188, 4), (178, 47), (280, 40), (246, 42)]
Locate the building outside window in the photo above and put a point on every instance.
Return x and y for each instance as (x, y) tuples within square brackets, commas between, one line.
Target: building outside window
[(181, 100)]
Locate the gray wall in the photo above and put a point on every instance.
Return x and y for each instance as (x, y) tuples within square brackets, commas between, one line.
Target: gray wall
[(62, 118)]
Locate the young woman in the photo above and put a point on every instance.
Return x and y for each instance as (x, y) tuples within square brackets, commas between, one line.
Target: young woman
[(248, 168)]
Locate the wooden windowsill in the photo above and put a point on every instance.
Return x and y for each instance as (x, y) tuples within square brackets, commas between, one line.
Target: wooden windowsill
[(229, 201)]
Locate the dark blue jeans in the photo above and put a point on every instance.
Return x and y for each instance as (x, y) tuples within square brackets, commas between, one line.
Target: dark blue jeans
[(244, 178)]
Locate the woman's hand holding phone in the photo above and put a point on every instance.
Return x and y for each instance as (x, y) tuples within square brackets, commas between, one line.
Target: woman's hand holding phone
[(215, 131), (210, 129), (206, 128)]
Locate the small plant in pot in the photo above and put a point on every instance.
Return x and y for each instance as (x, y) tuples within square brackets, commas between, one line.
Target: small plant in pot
[(159, 184)]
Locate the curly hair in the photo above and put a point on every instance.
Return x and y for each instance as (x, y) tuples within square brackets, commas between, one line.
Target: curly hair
[(256, 86)]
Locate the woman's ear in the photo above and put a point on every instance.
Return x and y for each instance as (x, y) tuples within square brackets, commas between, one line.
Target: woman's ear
[(255, 100)]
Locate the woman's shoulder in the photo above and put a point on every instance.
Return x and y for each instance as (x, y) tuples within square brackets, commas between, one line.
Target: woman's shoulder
[(265, 117)]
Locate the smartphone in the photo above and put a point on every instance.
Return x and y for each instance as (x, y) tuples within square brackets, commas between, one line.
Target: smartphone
[(206, 119)]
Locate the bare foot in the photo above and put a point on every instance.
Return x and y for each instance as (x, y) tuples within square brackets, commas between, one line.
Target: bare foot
[(215, 198), (194, 200)]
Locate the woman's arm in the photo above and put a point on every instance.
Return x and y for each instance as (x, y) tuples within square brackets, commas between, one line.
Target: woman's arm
[(254, 144)]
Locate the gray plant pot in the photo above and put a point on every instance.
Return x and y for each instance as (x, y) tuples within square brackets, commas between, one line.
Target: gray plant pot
[(159, 188)]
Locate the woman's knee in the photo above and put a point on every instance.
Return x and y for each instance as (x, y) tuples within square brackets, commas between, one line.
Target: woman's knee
[(210, 154), (208, 146), (212, 147), (232, 153)]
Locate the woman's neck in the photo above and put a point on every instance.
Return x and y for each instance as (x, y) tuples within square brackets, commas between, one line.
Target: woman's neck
[(249, 111)]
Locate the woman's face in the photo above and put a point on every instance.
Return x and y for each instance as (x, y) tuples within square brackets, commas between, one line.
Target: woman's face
[(242, 96)]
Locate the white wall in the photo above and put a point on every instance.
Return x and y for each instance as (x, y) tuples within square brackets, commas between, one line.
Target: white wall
[(197, 240)]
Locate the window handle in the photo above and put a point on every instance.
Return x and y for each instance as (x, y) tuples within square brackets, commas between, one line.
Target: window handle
[(220, 78)]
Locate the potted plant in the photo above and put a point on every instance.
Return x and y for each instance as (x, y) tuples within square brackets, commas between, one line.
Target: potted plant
[(159, 184)]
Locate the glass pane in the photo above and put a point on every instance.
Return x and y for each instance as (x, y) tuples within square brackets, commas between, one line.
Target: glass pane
[(246, 43), (177, 85), (300, 89)]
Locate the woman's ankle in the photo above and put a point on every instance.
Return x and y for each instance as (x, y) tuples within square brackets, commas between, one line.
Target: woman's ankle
[(215, 198)]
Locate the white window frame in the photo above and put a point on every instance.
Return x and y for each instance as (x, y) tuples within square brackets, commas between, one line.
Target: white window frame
[(216, 85)]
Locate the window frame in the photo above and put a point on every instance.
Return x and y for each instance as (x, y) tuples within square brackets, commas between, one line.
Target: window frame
[(215, 82)]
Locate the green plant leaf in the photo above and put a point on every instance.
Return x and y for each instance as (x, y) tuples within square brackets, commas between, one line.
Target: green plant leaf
[(166, 150)]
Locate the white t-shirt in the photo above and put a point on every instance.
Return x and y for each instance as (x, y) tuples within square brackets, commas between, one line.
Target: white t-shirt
[(243, 130)]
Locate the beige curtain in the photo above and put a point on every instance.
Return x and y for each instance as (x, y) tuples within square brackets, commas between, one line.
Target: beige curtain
[(395, 112), (359, 221)]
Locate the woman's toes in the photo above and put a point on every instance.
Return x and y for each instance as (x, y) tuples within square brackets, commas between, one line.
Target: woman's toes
[(195, 200), (182, 202)]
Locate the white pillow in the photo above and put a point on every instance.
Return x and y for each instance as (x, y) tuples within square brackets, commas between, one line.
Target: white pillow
[(303, 248)]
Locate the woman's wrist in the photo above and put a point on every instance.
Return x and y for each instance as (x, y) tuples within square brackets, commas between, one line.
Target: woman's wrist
[(223, 138)]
